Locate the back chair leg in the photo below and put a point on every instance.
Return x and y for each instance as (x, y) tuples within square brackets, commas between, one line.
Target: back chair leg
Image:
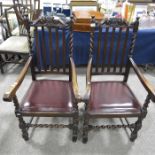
[(23, 127), (1, 64), (1, 67), (85, 129)]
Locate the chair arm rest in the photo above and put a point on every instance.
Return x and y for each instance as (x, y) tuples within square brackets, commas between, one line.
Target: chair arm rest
[(8, 96), (74, 80), (147, 85), (88, 80)]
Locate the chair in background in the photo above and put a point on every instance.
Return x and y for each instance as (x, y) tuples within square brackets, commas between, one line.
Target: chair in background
[(114, 99), (31, 4), (86, 4), (15, 48), (29, 7), (46, 97)]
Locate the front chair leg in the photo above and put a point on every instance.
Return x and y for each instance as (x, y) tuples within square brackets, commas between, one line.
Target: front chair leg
[(137, 127), (85, 129), (138, 124), (75, 128), (22, 124), (23, 127)]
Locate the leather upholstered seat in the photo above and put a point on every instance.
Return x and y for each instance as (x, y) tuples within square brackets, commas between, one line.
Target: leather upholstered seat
[(44, 96), (112, 98)]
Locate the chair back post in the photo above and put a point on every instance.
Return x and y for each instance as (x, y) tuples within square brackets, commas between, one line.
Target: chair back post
[(93, 25), (27, 24), (70, 47), (135, 30), (91, 47), (132, 45)]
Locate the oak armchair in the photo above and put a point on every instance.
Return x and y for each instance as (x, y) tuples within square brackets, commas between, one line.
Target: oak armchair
[(112, 54), (53, 46)]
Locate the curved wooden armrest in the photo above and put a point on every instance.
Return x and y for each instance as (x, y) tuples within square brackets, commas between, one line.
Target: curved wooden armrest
[(74, 80), (88, 80), (147, 85), (14, 87)]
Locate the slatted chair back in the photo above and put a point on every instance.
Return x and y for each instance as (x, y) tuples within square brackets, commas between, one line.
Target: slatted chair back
[(111, 42), (30, 7), (20, 11), (36, 4), (31, 4), (52, 47)]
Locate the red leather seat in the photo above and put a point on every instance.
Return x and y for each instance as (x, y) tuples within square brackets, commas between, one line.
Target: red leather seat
[(48, 96), (112, 98)]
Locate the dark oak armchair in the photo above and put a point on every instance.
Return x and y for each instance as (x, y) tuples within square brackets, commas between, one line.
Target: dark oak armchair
[(112, 54), (46, 97)]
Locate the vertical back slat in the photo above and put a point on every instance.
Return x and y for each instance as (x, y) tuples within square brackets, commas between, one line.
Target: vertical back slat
[(31, 5), (38, 51), (36, 4), (117, 48), (43, 48), (64, 51), (104, 49), (99, 48), (50, 48), (57, 49), (22, 2), (111, 49), (124, 48)]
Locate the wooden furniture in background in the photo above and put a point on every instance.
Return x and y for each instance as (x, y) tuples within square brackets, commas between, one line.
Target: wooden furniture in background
[(84, 3), (82, 19), (46, 97), (142, 1), (114, 99)]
